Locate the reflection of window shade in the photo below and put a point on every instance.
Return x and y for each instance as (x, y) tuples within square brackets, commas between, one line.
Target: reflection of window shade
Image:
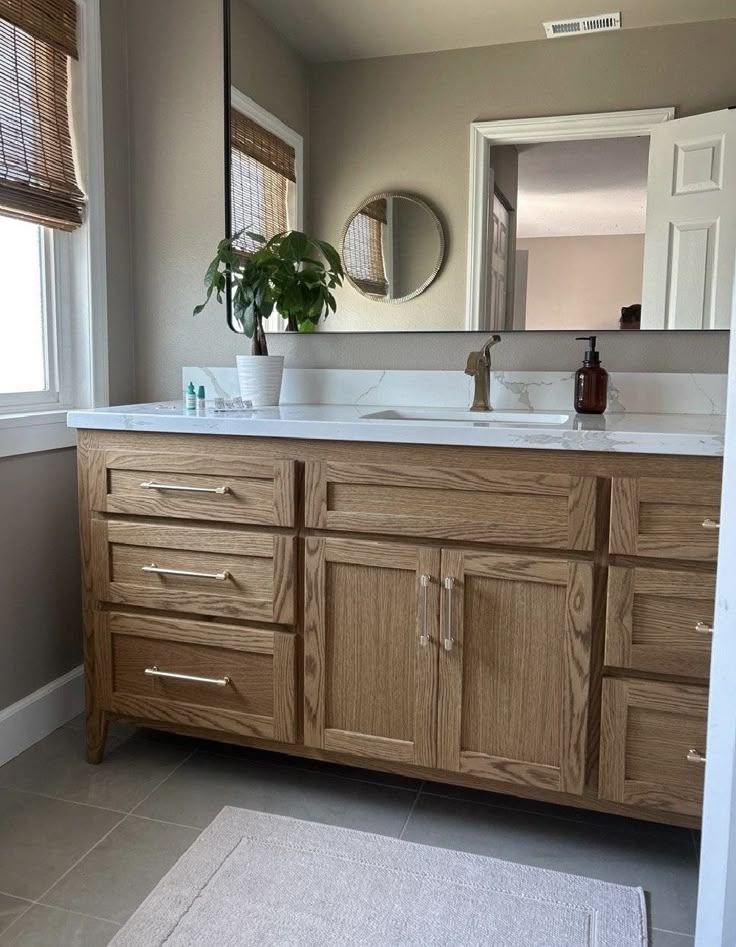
[(38, 180), (363, 249), (261, 167)]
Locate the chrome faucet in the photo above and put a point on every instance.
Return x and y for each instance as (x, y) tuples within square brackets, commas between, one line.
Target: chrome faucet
[(479, 366)]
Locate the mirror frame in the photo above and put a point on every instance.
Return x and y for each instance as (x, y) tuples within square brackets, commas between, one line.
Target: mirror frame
[(436, 266)]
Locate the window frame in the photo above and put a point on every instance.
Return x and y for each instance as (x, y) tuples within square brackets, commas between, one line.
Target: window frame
[(75, 283), (249, 107)]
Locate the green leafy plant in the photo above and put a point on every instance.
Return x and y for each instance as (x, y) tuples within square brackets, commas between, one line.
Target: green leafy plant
[(291, 273)]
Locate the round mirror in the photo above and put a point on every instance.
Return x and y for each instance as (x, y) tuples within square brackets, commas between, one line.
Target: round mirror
[(392, 247)]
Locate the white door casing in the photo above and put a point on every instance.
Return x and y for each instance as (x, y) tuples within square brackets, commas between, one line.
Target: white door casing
[(690, 241)]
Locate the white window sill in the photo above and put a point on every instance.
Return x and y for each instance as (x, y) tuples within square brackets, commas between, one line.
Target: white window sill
[(37, 431)]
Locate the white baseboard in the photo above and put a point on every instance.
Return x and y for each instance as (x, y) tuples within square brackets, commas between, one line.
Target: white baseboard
[(35, 716)]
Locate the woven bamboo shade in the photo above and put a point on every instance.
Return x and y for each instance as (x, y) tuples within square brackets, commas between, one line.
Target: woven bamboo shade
[(53, 22), (363, 250), (38, 180), (376, 210)]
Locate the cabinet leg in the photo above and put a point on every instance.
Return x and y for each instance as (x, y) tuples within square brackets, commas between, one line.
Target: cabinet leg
[(96, 735)]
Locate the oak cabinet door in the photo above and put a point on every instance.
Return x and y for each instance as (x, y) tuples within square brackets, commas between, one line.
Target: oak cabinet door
[(514, 668), (370, 649), (653, 744)]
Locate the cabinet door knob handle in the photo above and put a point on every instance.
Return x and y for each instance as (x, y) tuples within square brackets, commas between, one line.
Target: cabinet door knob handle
[(711, 524), (448, 641), (695, 756), (424, 582), (704, 628)]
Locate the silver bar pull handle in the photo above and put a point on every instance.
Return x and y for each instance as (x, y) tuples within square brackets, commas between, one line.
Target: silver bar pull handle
[(424, 581), (448, 641), (711, 524), (695, 756), (161, 570), (192, 678), (704, 628), (181, 488)]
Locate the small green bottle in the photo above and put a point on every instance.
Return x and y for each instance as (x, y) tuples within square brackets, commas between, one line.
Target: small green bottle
[(190, 400)]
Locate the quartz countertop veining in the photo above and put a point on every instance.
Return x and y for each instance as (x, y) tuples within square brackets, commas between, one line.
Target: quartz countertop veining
[(687, 434)]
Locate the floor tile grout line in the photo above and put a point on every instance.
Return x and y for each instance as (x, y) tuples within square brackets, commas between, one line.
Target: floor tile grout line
[(71, 802), (411, 811), (29, 906), (165, 779), (178, 825), (666, 930), (94, 917)]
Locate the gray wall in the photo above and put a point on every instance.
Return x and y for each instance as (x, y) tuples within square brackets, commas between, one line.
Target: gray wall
[(40, 630)]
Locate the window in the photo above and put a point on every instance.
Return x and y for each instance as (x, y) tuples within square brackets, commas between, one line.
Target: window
[(265, 172), (364, 249), (52, 243)]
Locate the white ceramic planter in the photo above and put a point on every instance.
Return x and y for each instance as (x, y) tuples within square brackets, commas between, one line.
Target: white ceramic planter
[(259, 377)]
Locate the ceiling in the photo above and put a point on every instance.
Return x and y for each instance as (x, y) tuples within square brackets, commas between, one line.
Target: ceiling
[(582, 188), (325, 30)]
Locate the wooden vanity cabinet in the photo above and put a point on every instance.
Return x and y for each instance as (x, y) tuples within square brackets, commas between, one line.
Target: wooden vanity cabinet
[(530, 622)]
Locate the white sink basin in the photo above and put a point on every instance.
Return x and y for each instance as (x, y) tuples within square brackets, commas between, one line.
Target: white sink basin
[(475, 417)]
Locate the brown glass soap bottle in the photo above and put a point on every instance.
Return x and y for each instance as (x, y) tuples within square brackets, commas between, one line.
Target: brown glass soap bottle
[(591, 381)]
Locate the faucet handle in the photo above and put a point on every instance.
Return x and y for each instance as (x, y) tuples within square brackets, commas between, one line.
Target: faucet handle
[(472, 365)]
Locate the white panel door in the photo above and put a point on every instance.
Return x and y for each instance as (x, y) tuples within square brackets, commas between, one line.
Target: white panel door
[(691, 225), (499, 265)]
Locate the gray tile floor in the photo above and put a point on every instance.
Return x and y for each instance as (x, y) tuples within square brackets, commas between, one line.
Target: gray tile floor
[(81, 846)]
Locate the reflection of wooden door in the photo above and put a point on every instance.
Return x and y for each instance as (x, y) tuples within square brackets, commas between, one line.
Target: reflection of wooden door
[(514, 668), (499, 264), (370, 649), (691, 229)]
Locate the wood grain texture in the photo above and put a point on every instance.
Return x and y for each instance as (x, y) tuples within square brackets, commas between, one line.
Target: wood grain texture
[(261, 492), (258, 700), (365, 683), (663, 518), (514, 687), (492, 506), (648, 728), (652, 617)]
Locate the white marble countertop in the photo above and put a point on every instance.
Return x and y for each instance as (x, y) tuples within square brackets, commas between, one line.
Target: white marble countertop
[(625, 433)]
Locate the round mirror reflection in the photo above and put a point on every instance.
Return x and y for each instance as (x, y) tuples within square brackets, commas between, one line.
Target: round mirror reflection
[(392, 247)]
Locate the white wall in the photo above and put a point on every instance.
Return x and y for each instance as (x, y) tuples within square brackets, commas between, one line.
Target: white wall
[(582, 282)]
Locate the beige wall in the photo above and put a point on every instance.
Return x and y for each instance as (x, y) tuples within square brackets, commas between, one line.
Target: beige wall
[(582, 282), (40, 621)]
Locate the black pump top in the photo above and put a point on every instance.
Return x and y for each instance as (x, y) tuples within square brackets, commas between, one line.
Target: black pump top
[(591, 356)]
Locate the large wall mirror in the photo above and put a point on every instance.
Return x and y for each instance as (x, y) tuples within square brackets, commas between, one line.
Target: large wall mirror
[(578, 222)]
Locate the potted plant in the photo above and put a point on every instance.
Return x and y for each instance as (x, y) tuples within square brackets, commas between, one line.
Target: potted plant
[(291, 274)]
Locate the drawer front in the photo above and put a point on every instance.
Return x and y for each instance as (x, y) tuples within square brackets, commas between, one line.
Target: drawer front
[(225, 573), (195, 487), (660, 620), (492, 506), (198, 674), (667, 519), (649, 730)]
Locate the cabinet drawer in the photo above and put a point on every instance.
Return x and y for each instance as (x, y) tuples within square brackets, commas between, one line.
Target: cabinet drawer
[(199, 674), (222, 572), (493, 506), (660, 620), (648, 731), (195, 487), (668, 519)]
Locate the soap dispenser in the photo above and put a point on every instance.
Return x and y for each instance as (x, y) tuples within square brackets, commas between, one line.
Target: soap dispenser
[(591, 381)]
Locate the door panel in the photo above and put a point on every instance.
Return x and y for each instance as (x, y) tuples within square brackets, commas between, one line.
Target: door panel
[(690, 231), (370, 640), (514, 668)]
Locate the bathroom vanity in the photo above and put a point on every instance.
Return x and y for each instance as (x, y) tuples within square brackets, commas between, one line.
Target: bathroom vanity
[(525, 609)]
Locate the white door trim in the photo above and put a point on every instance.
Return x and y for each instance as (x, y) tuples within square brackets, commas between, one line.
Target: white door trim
[(716, 925), (484, 135)]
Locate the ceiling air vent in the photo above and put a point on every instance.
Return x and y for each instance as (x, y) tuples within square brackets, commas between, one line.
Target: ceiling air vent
[(583, 24)]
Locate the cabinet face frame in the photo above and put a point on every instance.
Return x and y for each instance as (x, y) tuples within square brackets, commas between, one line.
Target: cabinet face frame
[(577, 579), (615, 784), (241, 641), (389, 556)]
